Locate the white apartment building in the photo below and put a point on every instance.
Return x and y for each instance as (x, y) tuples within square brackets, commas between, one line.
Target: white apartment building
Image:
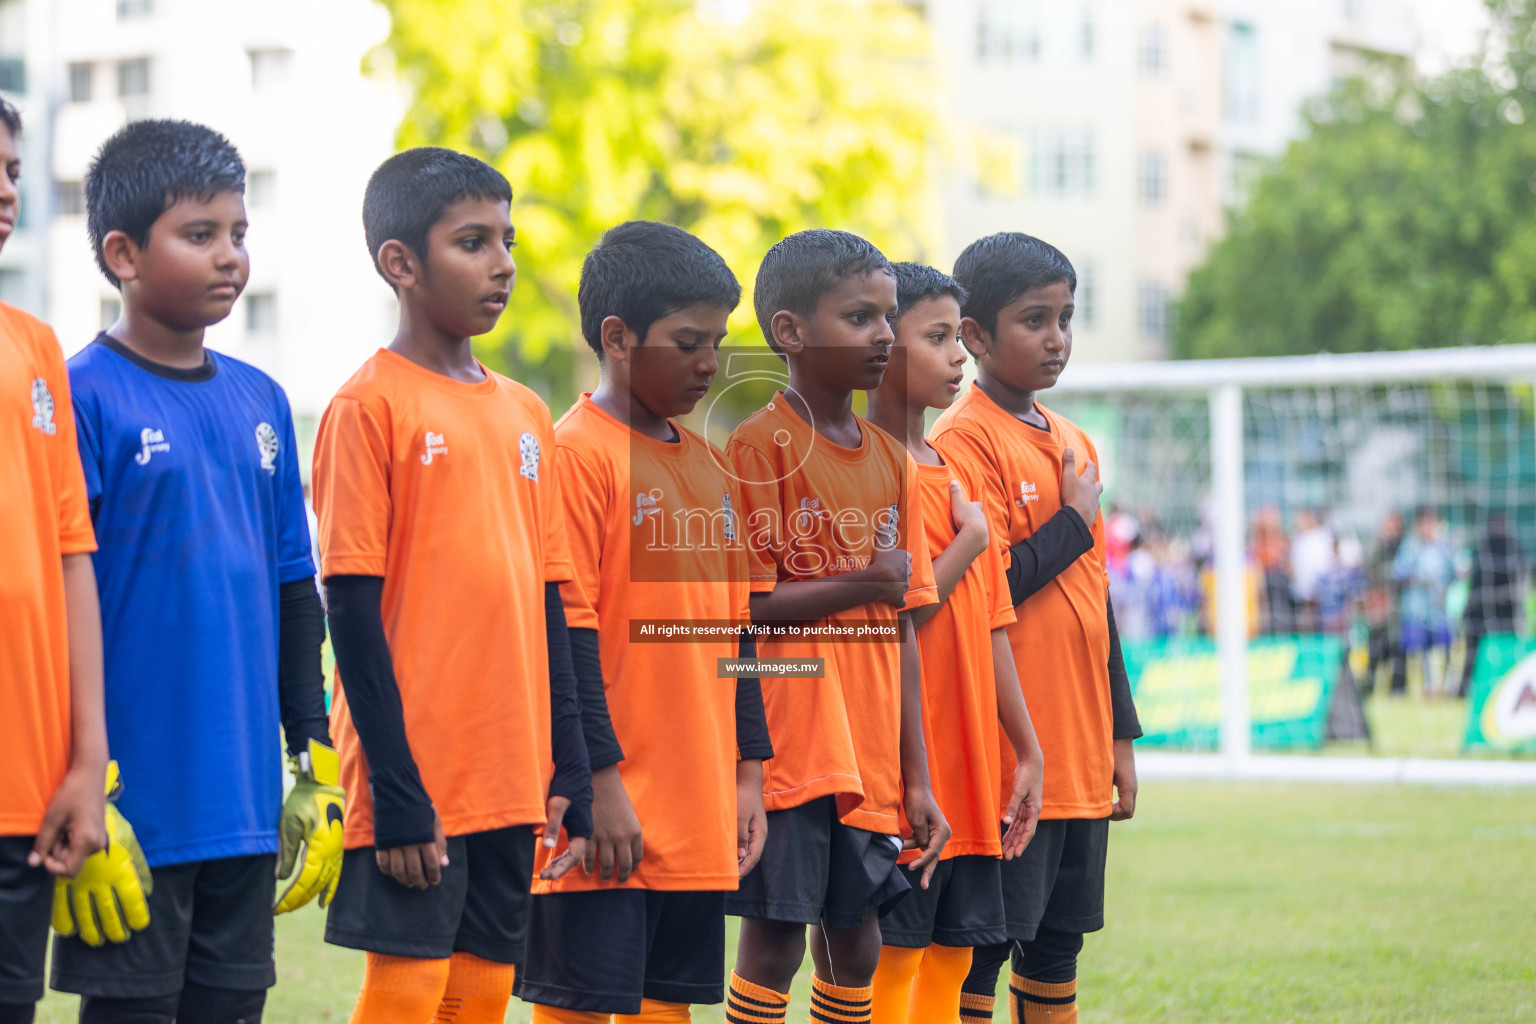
[(1122, 130), (282, 80)]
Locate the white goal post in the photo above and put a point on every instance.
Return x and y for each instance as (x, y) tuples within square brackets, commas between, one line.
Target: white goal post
[(1228, 387)]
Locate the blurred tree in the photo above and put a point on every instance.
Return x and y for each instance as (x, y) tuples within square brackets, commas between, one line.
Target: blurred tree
[(1405, 217), (800, 113)]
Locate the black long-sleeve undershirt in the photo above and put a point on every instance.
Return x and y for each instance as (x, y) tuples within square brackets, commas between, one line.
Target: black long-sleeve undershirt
[(573, 770), (1040, 558), (603, 747), (752, 739), (402, 810), (300, 679)]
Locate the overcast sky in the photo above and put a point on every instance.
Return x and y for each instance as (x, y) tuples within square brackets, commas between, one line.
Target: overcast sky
[(1449, 30)]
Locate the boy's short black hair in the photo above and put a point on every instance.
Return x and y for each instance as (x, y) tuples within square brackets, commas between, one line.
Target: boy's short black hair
[(916, 282), (800, 269), (411, 190), (643, 270), (10, 117), (997, 269), (145, 168)]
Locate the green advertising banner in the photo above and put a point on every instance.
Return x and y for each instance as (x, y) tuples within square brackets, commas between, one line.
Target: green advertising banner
[(1177, 685), (1501, 715)]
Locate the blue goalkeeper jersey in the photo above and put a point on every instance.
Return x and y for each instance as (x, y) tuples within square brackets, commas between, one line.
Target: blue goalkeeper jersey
[(193, 483)]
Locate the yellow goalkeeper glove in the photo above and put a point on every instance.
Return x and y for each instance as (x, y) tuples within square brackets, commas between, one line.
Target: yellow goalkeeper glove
[(108, 898), (310, 833)]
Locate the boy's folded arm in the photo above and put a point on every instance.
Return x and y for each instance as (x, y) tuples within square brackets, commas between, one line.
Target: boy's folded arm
[(752, 740), (809, 600), (1040, 558), (1127, 725), (573, 768), (300, 679), (402, 810)]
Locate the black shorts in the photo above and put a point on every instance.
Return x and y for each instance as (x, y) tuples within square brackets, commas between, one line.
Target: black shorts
[(962, 906), (210, 923), (815, 869), (602, 951), (26, 905), (1058, 881), (480, 906)]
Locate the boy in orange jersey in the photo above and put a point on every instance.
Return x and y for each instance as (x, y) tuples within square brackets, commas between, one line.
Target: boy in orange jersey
[(651, 513), (443, 547), (53, 738), (1045, 515), (969, 682), (835, 536)]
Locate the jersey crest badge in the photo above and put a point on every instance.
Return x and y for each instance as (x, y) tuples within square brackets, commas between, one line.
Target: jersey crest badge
[(42, 407), (528, 448), (266, 447), (729, 515)]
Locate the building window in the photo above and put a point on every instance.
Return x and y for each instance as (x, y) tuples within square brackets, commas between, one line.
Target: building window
[(1153, 309), (1152, 179), (1242, 74), (1086, 300), (133, 9), (133, 78), (82, 79), (269, 68), (260, 189), (1008, 31), (1152, 54), (110, 309), (69, 198), (13, 74), (260, 313), (1061, 163)]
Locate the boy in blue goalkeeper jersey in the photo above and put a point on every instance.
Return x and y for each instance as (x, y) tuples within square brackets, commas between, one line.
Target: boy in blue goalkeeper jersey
[(211, 621)]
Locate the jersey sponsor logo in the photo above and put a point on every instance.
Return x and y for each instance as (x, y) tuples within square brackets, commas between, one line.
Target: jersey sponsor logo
[(1027, 494), (266, 447), (150, 441), (810, 512), (528, 448), (435, 447), (645, 504), (42, 407)]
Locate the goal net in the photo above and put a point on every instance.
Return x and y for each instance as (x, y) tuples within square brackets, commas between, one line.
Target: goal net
[(1328, 555)]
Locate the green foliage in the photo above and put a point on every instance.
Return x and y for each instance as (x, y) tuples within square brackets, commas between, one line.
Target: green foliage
[(1404, 218), (809, 113)]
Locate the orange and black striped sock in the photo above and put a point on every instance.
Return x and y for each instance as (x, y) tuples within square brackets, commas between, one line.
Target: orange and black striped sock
[(1040, 1002), (839, 1004), (747, 1003), (976, 1008)]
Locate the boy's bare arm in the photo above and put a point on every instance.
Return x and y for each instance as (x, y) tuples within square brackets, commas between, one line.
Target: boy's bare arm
[(971, 539), (1022, 814), (884, 579), (74, 826), (929, 829)]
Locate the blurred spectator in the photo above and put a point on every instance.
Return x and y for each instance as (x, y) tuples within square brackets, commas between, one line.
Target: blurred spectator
[(1379, 606), (1424, 568), (1493, 603), (1313, 556), (1272, 552), (1338, 589)]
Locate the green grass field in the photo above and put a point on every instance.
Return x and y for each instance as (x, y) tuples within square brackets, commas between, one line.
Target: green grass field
[(1235, 903)]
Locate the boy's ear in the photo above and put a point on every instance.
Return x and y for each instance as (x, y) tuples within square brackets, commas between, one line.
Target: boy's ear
[(121, 255), (786, 331), (399, 264), (616, 338), (975, 340)]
